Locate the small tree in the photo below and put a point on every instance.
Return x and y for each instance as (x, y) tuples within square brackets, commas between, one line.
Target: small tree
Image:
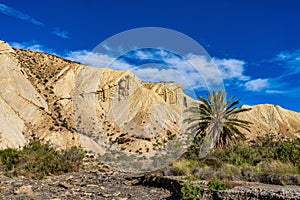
[(214, 121)]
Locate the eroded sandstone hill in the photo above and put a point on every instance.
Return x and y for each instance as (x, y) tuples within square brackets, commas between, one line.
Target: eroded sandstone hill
[(67, 103), (272, 120)]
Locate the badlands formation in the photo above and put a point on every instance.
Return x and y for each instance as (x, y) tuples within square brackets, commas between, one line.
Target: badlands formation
[(67, 103)]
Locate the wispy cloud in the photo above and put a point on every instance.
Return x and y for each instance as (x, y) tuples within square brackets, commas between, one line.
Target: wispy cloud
[(290, 60), (9, 11), (6, 10), (287, 82), (61, 33), (275, 91)]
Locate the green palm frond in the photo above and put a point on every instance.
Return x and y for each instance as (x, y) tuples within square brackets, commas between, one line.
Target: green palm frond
[(216, 118)]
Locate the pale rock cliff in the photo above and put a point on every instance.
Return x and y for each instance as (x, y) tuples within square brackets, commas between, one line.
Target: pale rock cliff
[(20, 102)]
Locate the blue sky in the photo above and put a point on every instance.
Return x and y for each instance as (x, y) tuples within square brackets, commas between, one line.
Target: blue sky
[(254, 43)]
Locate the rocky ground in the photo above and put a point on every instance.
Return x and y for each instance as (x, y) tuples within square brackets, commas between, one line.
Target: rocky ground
[(118, 186), (98, 181), (259, 191), (81, 185), (94, 181)]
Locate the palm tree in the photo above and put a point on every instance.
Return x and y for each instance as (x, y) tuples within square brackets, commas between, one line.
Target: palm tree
[(214, 121)]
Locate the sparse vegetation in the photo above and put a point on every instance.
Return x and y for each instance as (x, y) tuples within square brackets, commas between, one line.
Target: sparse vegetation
[(38, 159), (170, 135), (185, 166), (267, 161), (122, 140), (266, 150)]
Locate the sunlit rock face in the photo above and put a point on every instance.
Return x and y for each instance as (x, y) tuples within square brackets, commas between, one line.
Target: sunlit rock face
[(68, 103)]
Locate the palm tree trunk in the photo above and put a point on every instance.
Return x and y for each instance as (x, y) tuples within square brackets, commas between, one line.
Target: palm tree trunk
[(210, 140)]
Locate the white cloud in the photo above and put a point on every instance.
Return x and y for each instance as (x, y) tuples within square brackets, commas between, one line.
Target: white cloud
[(61, 33), (27, 45), (275, 92), (179, 71), (6, 10), (232, 68), (257, 84), (89, 58), (144, 55), (119, 65), (32, 45)]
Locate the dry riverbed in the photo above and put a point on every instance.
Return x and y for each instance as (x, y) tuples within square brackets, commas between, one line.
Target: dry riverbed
[(100, 182)]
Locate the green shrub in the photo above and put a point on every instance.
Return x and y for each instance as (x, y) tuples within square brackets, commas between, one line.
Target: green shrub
[(240, 156), (216, 184), (191, 191), (73, 158), (10, 158), (37, 160), (287, 151)]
